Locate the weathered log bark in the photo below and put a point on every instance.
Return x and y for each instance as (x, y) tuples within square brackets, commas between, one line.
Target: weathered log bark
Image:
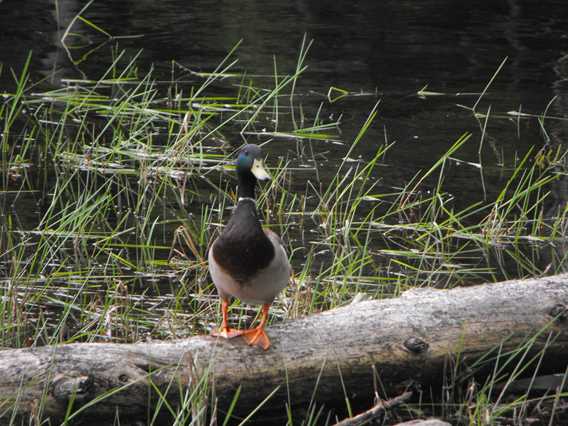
[(407, 339)]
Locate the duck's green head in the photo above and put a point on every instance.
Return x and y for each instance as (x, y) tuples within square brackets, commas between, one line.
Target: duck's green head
[(250, 160)]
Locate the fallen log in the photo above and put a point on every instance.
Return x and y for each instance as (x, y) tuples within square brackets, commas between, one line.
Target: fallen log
[(323, 358)]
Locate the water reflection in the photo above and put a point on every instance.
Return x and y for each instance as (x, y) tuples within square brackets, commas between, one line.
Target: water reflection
[(396, 46)]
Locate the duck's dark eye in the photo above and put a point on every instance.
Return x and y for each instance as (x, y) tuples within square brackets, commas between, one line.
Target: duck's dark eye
[(246, 153)]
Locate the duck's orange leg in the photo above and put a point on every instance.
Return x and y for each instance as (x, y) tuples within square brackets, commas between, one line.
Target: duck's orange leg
[(257, 336), (225, 331)]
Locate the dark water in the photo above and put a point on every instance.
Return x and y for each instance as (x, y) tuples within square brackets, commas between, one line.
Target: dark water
[(392, 47), (385, 51)]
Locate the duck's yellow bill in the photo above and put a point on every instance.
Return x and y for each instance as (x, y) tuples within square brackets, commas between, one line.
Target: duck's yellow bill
[(258, 170)]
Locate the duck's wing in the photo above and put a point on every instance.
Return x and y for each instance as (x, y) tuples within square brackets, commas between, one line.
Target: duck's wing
[(273, 236), (278, 246)]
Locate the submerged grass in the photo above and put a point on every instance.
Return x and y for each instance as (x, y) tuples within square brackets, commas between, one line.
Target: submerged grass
[(112, 188)]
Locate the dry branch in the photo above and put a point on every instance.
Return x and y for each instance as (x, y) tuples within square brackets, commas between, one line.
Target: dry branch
[(407, 340), (377, 410), (426, 422)]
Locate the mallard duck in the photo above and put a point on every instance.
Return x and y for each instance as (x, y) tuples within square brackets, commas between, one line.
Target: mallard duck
[(246, 261)]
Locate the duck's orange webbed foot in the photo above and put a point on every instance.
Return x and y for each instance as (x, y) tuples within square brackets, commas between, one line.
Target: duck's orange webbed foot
[(257, 337), (225, 331)]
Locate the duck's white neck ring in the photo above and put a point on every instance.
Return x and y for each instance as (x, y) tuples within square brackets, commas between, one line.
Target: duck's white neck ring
[(246, 199)]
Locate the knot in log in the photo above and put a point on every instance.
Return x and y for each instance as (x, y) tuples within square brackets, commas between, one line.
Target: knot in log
[(416, 345), (559, 312)]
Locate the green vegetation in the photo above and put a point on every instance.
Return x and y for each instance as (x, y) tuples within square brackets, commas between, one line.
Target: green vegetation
[(111, 189)]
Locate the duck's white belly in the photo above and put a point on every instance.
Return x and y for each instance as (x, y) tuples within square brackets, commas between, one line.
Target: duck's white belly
[(263, 287)]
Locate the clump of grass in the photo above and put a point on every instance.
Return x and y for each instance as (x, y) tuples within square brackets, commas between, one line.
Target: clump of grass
[(129, 178)]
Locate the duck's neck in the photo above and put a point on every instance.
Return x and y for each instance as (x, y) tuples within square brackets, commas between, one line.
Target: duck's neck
[(247, 183)]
